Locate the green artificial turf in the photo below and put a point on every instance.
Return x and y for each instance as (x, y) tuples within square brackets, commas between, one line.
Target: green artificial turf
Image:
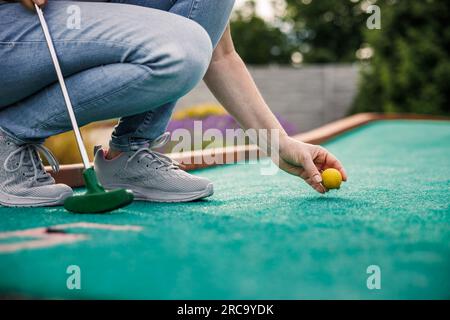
[(267, 237)]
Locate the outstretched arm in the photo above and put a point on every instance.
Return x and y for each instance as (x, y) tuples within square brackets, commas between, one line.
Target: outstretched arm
[(231, 83)]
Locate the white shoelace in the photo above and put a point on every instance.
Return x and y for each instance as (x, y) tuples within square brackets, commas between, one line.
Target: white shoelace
[(38, 172), (156, 157)]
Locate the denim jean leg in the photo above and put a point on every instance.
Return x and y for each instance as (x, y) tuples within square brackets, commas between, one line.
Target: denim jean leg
[(138, 131), (114, 66), (135, 132)]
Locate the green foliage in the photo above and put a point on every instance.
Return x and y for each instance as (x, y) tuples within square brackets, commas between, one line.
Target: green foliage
[(323, 31), (410, 67), (410, 70), (257, 41), (327, 30)]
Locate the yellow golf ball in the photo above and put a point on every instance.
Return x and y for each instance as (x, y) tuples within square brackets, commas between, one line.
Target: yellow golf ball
[(331, 179)]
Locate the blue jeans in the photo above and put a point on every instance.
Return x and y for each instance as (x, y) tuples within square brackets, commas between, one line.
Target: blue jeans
[(130, 59)]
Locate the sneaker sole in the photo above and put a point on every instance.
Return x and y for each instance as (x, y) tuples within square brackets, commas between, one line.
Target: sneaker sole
[(162, 196), (8, 200)]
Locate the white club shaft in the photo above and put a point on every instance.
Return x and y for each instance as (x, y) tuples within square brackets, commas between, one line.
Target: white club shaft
[(72, 117)]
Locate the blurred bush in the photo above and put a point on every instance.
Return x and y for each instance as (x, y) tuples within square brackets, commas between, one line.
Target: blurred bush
[(320, 31), (257, 41), (64, 145), (212, 116), (199, 112), (410, 68), (326, 31), (405, 65)]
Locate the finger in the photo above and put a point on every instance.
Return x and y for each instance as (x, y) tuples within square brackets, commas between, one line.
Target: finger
[(313, 176), (316, 186), (332, 162), (40, 3)]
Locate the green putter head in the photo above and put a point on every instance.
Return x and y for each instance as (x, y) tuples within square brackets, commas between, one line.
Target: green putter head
[(97, 199)]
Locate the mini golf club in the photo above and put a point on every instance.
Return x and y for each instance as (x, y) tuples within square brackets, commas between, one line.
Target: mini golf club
[(96, 199)]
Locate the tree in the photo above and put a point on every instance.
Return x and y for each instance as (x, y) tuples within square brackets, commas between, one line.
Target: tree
[(410, 69), (322, 30), (327, 30), (405, 67), (257, 41)]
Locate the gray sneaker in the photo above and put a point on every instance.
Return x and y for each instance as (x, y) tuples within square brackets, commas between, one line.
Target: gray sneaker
[(23, 179), (151, 176)]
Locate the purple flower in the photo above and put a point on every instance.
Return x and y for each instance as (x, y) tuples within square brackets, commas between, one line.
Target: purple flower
[(220, 122)]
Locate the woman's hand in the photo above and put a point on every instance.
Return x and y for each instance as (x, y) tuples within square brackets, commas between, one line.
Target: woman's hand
[(231, 83), (29, 4), (307, 161)]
